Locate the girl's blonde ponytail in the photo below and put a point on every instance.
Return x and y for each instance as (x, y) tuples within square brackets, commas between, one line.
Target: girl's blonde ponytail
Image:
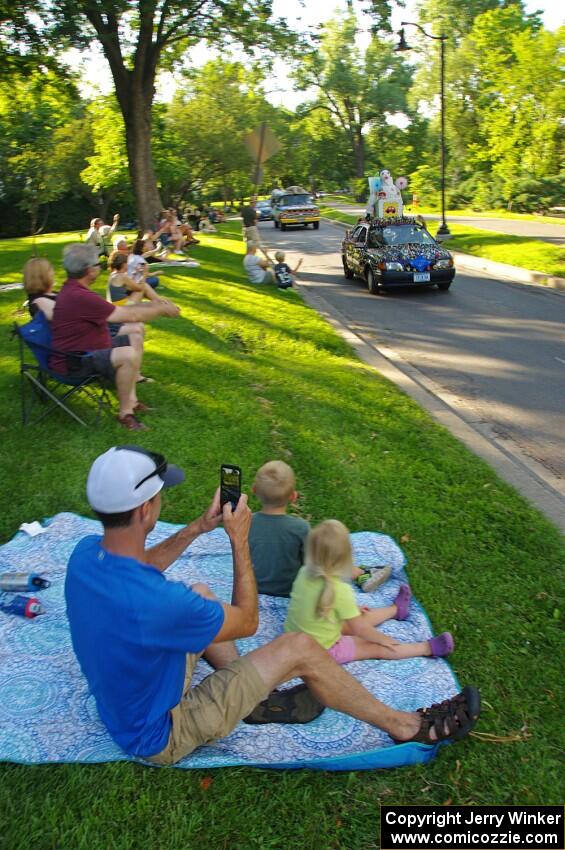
[(328, 554)]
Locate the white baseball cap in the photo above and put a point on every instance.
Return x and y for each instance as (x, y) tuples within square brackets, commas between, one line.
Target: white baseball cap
[(125, 477)]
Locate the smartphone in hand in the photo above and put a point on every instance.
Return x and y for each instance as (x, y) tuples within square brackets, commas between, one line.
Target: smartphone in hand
[(230, 485)]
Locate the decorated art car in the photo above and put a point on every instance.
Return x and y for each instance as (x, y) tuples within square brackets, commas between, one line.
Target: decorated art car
[(395, 252), (294, 206)]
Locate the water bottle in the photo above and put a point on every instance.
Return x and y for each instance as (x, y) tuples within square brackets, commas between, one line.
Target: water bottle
[(22, 582), (23, 606)]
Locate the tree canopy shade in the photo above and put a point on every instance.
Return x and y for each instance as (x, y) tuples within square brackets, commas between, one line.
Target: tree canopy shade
[(138, 38)]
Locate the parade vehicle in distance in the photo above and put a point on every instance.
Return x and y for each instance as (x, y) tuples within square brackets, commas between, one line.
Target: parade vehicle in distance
[(264, 210), (294, 206), (395, 252)]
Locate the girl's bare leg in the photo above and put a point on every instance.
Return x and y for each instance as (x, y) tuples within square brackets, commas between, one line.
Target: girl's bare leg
[(374, 617), (365, 649)]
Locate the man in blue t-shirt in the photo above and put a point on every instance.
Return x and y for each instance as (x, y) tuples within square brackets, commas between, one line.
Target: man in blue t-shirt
[(138, 636)]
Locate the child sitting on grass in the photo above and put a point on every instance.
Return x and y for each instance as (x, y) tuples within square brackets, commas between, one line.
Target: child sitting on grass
[(276, 540), (323, 606), (284, 275)]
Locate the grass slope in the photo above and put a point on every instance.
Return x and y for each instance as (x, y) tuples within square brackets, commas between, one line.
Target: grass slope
[(245, 376), (519, 251)]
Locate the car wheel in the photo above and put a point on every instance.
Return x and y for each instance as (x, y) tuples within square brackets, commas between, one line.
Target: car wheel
[(316, 225), (372, 284), (275, 222), (283, 226), (444, 286), (346, 270)]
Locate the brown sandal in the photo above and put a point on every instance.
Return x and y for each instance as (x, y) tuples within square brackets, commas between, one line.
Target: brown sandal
[(131, 422), (451, 719)]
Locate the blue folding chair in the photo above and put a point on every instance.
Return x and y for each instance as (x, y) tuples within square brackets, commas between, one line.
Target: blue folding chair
[(40, 384)]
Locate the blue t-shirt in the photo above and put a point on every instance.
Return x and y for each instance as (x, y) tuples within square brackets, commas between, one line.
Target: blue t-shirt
[(131, 630)]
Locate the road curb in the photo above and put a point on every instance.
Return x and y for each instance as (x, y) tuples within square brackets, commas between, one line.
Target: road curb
[(502, 270)]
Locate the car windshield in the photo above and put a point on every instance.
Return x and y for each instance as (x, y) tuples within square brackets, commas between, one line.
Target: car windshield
[(263, 204), (294, 200), (399, 235)]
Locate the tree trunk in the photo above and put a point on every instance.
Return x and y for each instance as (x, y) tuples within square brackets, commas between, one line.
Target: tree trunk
[(138, 121), (359, 152)]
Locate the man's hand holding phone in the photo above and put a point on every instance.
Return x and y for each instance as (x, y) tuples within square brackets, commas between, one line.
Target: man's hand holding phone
[(237, 523)]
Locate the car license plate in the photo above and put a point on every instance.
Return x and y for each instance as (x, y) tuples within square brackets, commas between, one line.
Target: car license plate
[(421, 278)]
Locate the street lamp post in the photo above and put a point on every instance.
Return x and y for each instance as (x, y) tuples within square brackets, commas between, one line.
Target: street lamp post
[(443, 231)]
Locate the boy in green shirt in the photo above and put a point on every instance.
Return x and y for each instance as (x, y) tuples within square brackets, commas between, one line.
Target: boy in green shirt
[(276, 540)]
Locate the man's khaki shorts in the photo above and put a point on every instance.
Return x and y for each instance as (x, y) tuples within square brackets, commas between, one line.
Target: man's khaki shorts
[(211, 709), (252, 236)]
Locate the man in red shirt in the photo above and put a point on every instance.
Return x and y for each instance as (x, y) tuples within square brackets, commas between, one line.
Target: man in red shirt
[(80, 324)]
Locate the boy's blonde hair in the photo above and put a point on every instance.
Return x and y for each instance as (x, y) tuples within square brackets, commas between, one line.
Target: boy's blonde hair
[(328, 554), (39, 276), (279, 256), (274, 483)]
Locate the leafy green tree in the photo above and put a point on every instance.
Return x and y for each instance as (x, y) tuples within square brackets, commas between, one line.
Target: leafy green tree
[(31, 113), (356, 89), (105, 171), (210, 122), (137, 38), (520, 100)]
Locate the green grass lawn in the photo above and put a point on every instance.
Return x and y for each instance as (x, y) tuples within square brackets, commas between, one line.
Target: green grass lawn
[(501, 247), (245, 376)]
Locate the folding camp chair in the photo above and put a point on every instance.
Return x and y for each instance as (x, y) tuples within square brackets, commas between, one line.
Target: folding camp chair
[(40, 384)]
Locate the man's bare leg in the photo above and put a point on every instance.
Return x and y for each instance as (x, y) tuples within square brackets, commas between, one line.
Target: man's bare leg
[(299, 655), (126, 361)]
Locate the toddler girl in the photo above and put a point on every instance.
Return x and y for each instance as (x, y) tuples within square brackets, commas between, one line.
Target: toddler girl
[(322, 604)]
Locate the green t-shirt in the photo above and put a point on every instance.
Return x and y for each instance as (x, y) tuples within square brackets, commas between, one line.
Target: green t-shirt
[(277, 551), (302, 617)]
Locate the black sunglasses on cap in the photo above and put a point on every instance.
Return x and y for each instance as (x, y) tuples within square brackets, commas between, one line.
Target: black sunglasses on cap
[(159, 460)]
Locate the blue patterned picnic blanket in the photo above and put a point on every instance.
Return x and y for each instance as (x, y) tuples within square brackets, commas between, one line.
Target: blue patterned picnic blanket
[(47, 714)]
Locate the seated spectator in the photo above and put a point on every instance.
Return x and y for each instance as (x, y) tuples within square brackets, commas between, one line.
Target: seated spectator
[(206, 225), (276, 539), (119, 246), (193, 218), (123, 289), (170, 229), (39, 279), (155, 247), (97, 237), (258, 271), (285, 276), (80, 324), (138, 268)]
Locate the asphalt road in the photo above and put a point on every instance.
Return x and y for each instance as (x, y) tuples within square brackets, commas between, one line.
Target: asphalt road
[(553, 233), (496, 349)]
